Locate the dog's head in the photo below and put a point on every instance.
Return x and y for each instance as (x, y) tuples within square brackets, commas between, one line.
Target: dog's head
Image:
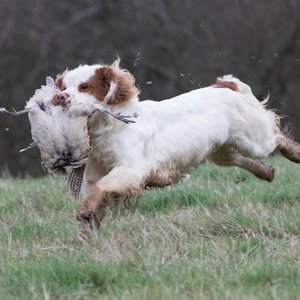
[(108, 84)]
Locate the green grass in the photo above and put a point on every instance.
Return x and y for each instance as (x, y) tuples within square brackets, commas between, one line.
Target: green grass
[(224, 234)]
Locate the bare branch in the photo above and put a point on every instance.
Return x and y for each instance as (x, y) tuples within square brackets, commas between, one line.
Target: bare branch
[(120, 117), (13, 113)]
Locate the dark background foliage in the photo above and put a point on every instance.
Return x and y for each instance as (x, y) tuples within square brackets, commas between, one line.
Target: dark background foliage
[(171, 47)]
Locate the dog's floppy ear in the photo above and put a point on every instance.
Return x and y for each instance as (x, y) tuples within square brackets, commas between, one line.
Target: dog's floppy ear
[(59, 80), (118, 85)]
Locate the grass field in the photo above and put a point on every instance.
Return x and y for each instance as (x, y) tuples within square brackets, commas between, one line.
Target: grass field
[(224, 234)]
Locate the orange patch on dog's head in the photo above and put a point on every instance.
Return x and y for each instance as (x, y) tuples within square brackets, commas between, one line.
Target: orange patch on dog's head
[(111, 85)]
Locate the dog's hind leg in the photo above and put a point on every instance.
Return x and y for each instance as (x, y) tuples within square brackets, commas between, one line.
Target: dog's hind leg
[(227, 156), (288, 148)]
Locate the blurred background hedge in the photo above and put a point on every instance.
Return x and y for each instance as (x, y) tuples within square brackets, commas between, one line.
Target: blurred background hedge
[(171, 47)]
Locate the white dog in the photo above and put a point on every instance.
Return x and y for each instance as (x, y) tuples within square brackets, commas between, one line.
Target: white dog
[(224, 123)]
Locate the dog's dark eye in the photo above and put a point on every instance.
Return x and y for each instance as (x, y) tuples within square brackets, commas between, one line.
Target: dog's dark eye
[(83, 87)]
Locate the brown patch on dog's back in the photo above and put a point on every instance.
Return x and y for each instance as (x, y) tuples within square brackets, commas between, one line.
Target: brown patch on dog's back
[(226, 84)]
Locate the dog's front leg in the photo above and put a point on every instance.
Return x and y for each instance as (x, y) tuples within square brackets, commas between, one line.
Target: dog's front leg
[(119, 185)]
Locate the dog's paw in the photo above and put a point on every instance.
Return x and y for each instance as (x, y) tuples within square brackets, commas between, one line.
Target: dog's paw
[(90, 219), (271, 173)]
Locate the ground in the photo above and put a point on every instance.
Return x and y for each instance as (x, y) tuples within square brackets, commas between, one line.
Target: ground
[(224, 234)]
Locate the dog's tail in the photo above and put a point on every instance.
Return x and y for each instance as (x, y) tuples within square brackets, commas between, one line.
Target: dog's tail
[(233, 83)]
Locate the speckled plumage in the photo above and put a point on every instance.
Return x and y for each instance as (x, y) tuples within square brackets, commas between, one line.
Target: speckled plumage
[(60, 130), (61, 134)]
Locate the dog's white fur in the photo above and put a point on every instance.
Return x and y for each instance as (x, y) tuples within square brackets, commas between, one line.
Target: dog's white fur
[(227, 126)]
